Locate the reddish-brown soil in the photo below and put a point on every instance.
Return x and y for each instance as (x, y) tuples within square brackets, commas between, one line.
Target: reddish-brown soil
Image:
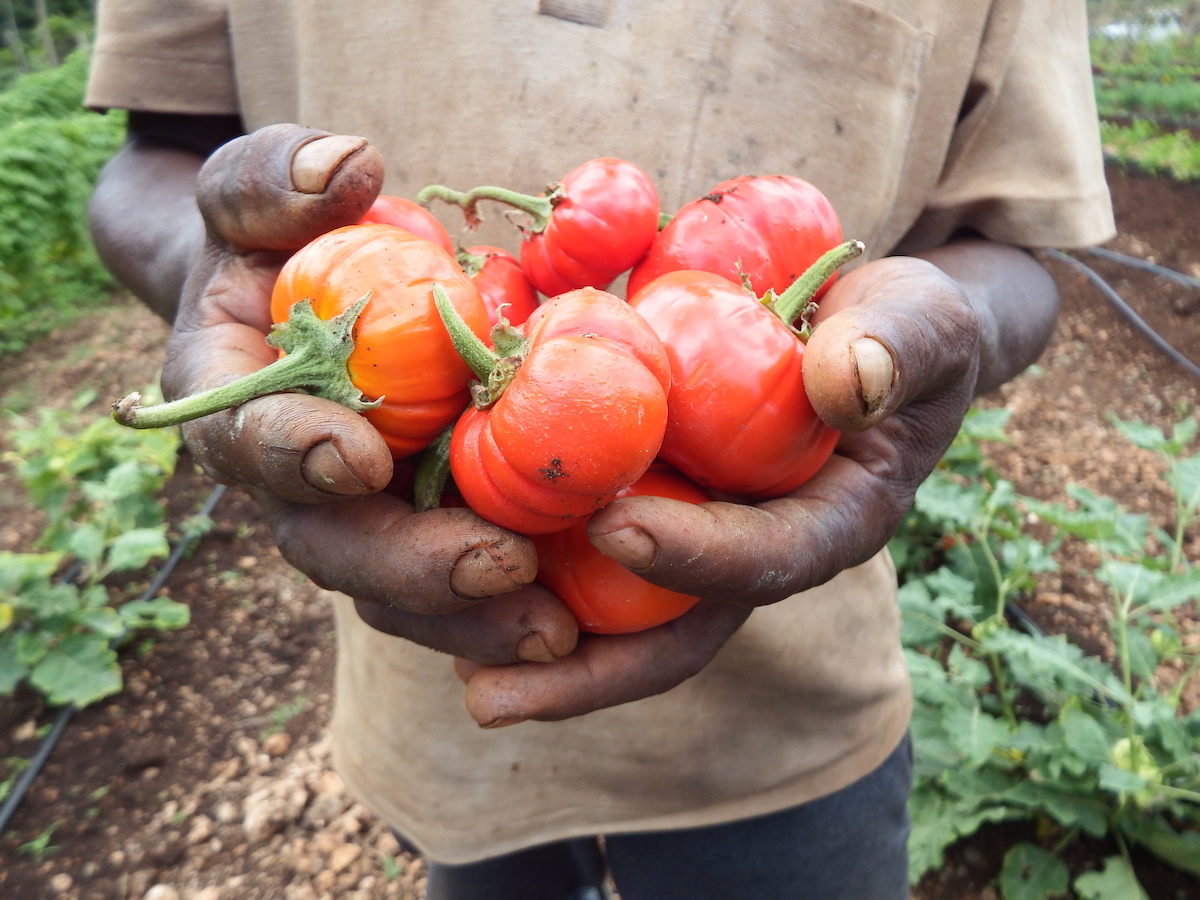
[(208, 777)]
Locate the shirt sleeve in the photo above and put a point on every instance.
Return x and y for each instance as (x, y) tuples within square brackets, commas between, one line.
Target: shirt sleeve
[(169, 56), (1025, 165)]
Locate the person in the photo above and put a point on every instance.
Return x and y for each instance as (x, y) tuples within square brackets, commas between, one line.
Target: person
[(757, 746)]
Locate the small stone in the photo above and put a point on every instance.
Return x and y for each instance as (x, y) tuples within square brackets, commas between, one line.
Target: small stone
[(344, 856), (226, 812), (162, 892), (266, 811), (61, 883), (277, 744), (201, 829)]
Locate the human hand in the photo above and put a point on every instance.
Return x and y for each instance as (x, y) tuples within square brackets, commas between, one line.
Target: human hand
[(898, 354), (317, 469)]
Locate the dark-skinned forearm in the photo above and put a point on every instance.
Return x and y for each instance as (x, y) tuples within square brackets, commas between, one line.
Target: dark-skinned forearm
[(145, 222), (1015, 298)]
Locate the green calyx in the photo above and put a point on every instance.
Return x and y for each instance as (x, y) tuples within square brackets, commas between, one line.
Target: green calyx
[(496, 368), (316, 353), (797, 301), (538, 209)]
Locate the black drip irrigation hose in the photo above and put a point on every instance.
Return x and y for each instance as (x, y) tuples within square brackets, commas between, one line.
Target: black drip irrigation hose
[(22, 784), (1145, 265), (1116, 300)]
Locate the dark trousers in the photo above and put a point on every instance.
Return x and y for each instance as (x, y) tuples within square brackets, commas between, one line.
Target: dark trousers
[(850, 845)]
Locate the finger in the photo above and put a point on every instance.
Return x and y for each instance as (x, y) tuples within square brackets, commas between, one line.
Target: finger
[(603, 671), (282, 186), (890, 334), (529, 625), (377, 550), (763, 553)]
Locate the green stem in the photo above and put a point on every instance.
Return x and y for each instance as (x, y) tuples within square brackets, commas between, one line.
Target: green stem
[(940, 626), (1065, 841), (493, 370), (1010, 712), (475, 353), (793, 302), (433, 472), (1184, 516), (316, 351), (472, 263), (538, 209), (1176, 694), (1179, 793)]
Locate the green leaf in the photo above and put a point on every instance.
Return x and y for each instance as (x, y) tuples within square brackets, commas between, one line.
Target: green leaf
[(1085, 736), (1097, 520), (134, 549), (939, 821), (86, 542), (19, 570), (1116, 881), (1031, 873), (103, 621), (161, 614), (1079, 808), (79, 670), (31, 646), (1148, 437), (52, 601), (12, 668), (1184, 479), (1055, 668), (1179, 848), (987, 425), (1120, 781), (977, 733), (1156, 591), (946, 500), (932, 832), (1143, 660)]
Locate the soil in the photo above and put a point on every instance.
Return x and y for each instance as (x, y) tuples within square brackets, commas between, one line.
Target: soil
[(208, 777)]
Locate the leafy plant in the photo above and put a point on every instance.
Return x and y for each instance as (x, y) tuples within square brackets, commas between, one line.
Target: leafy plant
[(15, 766), (96, 482), (1014, 724), (1151, 148), (51, 151), (40, 847), (1148, 93)]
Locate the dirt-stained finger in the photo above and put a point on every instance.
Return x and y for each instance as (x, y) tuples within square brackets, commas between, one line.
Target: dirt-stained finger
[(603, 671), (376, 549), (529, 625), (283, 185)]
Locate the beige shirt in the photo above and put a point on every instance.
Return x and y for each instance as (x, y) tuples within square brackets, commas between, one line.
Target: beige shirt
[(916, 118)]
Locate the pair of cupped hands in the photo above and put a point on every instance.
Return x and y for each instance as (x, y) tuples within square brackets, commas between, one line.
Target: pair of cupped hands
[(892, 364)]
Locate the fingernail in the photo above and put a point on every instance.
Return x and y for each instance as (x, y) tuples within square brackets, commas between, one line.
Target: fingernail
[(875, 372), (478, 573), (532, 648), (631, 547), (326, 470), (315, 162), (502, 722)]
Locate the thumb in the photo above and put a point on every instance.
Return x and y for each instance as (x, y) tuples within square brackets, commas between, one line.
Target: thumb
[(850, 377), (284, 185), (893, 332)]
